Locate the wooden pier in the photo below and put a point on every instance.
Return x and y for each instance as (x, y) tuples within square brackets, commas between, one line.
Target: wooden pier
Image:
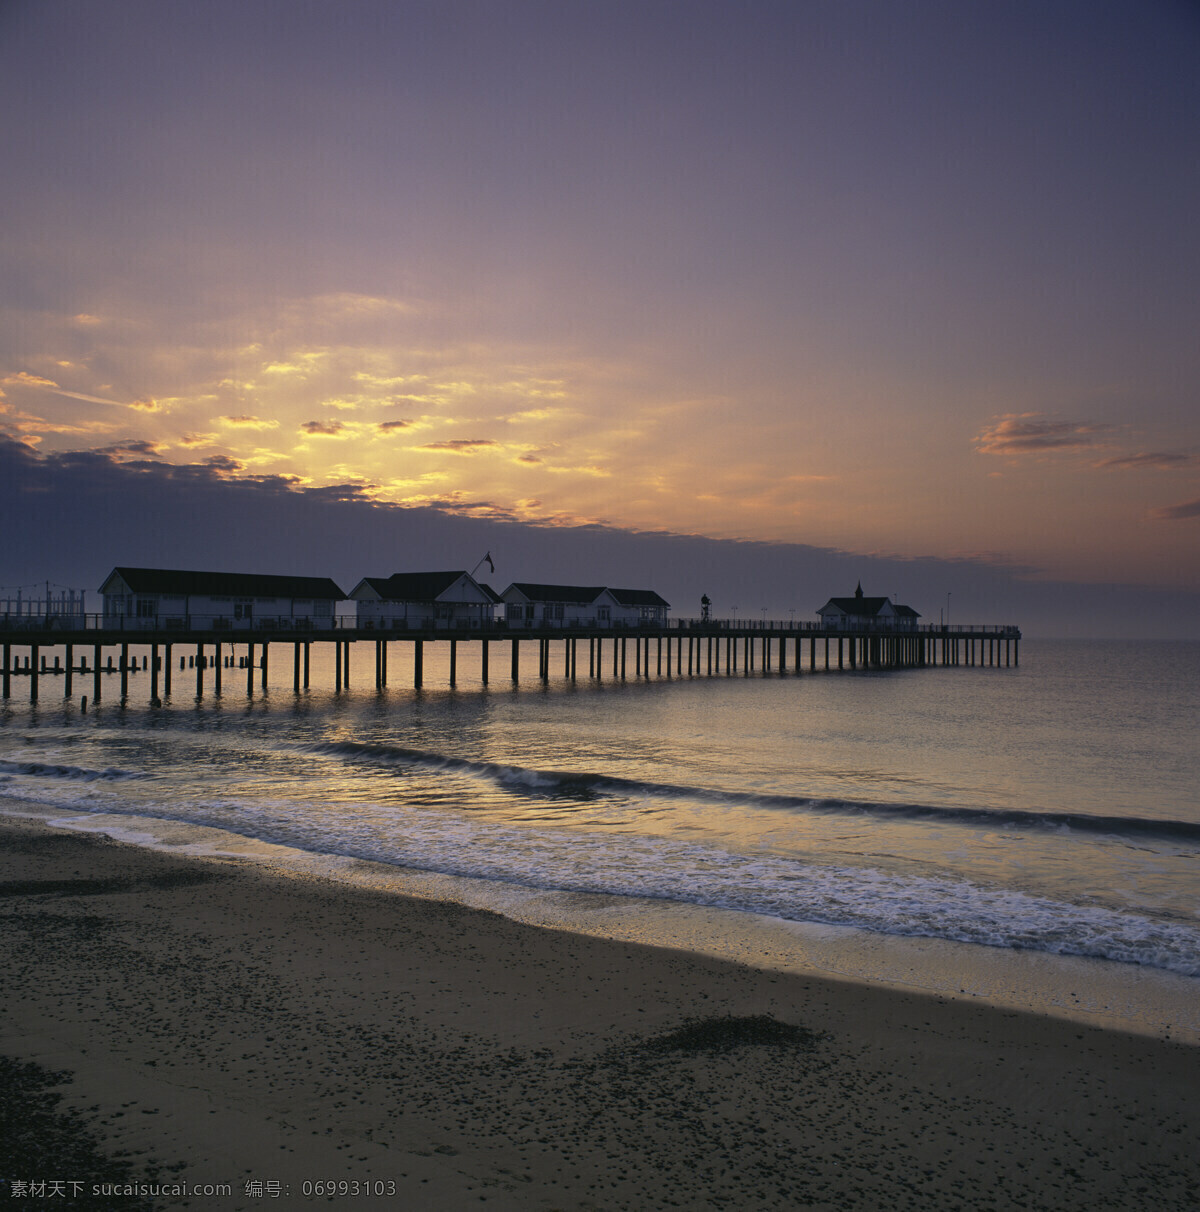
[(225, 659)]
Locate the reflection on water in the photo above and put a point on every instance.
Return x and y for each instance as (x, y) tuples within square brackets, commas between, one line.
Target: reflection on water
[(1049, 808)]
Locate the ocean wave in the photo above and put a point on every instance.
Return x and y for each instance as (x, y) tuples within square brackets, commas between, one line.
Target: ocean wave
[(75, 774), (584, 785), (867, 897)]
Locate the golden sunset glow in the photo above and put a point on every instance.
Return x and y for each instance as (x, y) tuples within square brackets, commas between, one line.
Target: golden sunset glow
[(764, 310)]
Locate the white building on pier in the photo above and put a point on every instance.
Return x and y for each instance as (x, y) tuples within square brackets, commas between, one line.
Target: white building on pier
[(528, 604), (424, 601), (861, 613), (168, 599)]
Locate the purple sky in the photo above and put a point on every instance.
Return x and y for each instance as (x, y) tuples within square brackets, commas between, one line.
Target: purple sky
[(895, 280)]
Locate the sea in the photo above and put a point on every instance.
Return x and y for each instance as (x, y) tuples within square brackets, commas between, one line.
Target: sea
[(1023, 835)]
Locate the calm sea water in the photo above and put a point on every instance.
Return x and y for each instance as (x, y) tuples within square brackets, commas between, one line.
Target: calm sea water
[(1052, 807)]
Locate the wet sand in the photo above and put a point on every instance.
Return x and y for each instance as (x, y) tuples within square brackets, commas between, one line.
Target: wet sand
[(230, 1025)]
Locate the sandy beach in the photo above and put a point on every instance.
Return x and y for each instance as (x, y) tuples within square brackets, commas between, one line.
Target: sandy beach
[(223, 1025)]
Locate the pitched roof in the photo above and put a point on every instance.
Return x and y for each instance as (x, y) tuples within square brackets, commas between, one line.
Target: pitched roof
[(492, 594), (862, 607), (638, 597), (583, 594), (173, 582), (413, 586)]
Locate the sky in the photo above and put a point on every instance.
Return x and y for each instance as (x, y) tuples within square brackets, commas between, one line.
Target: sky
[(910, 284)]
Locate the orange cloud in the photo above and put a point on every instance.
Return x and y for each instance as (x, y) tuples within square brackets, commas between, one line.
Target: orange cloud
[(24, 379)]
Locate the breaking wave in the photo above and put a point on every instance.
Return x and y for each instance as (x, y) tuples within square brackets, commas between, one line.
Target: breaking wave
[(75, 774), (555, 784)]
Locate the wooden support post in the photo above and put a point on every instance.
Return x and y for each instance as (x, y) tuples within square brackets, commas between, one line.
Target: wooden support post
[(124, 671), (166, 670), (574, 642), (337, 665), (378, 666), (33, 673), (418, 663), (217, 670), (658, 665), (96, 675), (307, 647), (296, 667), (622, 657), (637, 656), (618, 647), (516, 658), (483, 660), (453, 663), (199, 670), (68, 671), (265, 647), (7, 691), (153, 675), (250, 668)]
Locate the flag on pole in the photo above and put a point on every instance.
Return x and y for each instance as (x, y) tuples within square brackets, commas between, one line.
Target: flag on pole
[(490, 564)]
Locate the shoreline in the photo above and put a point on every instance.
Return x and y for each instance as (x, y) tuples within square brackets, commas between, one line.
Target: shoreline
[(1104, 993), (258, 1026)]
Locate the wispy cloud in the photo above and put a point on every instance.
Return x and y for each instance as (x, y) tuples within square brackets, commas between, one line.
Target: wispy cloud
[(328, 429), (247, 422), (461, 445), (130, 450), (1175, 513), (1156, 460), (24, 379), (1029, 433)]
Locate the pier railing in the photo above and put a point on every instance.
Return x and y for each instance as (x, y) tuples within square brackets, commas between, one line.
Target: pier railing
[(184, 624)]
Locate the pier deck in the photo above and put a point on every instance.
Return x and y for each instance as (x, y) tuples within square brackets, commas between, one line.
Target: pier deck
[(698, 648)]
